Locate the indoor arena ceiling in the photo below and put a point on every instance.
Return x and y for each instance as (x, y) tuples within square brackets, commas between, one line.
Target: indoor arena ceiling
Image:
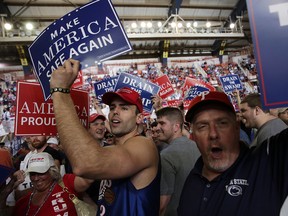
[(185, 41)]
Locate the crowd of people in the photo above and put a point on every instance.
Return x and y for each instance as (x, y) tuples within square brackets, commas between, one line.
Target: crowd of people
[(208, 160)]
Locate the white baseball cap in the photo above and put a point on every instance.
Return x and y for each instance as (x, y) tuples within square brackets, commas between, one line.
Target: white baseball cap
[(40, 163), (53, 140)]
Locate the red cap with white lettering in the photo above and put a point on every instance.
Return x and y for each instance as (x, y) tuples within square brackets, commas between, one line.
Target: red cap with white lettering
[(207, 97)]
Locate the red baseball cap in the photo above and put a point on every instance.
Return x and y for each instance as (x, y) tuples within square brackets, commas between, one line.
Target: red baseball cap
[(207, 97), (126, 94), (95, 116)]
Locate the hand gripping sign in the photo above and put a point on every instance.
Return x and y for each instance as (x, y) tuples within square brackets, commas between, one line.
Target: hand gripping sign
[(90, 34)]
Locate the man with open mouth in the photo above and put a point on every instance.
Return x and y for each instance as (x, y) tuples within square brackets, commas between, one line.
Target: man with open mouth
[(230, 178)]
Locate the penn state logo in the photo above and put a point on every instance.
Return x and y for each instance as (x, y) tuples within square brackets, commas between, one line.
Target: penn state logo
[(235, 187), (234, 190)]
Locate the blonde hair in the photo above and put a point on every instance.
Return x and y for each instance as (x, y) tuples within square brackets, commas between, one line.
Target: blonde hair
[(55, 173)]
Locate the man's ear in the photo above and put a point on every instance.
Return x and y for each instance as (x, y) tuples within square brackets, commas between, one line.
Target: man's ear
[(258, 110), (177, 127), (139, 118)]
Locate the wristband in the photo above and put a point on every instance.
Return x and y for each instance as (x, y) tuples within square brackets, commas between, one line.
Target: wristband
[(59, 89)]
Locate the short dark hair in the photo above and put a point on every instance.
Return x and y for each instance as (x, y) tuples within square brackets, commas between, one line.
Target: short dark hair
[(252, 100), (172, 114)]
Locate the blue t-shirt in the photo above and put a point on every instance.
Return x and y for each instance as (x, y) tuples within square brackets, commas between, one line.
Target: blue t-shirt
[(120, 197)]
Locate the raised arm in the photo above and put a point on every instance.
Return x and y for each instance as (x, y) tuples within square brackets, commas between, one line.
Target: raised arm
[(87, 158)]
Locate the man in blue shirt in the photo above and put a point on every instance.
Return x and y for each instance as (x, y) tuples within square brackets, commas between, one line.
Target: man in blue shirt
[(130, 168), (229, 178)]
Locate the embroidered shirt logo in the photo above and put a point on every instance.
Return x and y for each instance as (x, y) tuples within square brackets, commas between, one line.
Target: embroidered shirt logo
[(235, 186)]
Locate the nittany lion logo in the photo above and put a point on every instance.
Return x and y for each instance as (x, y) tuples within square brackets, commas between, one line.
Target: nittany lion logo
[(235, 187), (234, 190)]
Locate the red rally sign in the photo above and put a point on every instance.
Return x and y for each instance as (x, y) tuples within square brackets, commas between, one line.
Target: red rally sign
[(166, 88), (78, 81), (189, 82), (173, 103), (35, 116)]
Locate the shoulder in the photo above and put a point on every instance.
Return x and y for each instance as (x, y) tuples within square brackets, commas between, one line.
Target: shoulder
[(183, 143), (142, 147), (23, 201), (139, 142)]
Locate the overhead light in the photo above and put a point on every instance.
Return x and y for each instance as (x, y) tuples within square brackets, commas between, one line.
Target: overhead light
[(29, 26), (143, 24), (134, 25), (149, 25), (195, 24), (208, 24), (180, 25), (8, 26), (232, 25), (173, 24), (159, 24), (188, 24)]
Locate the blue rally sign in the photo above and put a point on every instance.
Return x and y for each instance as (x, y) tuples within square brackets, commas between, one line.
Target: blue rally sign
[(103, 86), (90, 34), (231, 83), (269, 28), (195, 91), (145, 88)]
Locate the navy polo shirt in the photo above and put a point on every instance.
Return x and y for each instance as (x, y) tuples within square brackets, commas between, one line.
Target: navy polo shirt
[(256, 184)]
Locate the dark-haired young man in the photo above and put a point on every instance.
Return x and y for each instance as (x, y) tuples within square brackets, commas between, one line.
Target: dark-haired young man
[(130, 166), (177, 159)]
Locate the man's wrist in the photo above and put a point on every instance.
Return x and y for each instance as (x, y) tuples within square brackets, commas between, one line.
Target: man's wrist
[(59, 89)]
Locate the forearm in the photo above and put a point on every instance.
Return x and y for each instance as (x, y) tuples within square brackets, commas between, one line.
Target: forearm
[(80, 148)]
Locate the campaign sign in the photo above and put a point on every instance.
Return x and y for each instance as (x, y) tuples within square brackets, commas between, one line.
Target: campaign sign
[(269, 28), (103, 86), (90, 34), (166, 88), (5, 172), (192, 93), (145, 88), (231, 82), (195, 91), (189, 82), (173, 103), (34, 116)]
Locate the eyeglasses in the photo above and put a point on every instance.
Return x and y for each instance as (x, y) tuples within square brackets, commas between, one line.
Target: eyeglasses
[(109, 136)]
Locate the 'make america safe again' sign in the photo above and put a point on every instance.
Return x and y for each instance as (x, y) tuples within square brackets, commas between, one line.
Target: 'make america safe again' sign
[(90, 34)]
